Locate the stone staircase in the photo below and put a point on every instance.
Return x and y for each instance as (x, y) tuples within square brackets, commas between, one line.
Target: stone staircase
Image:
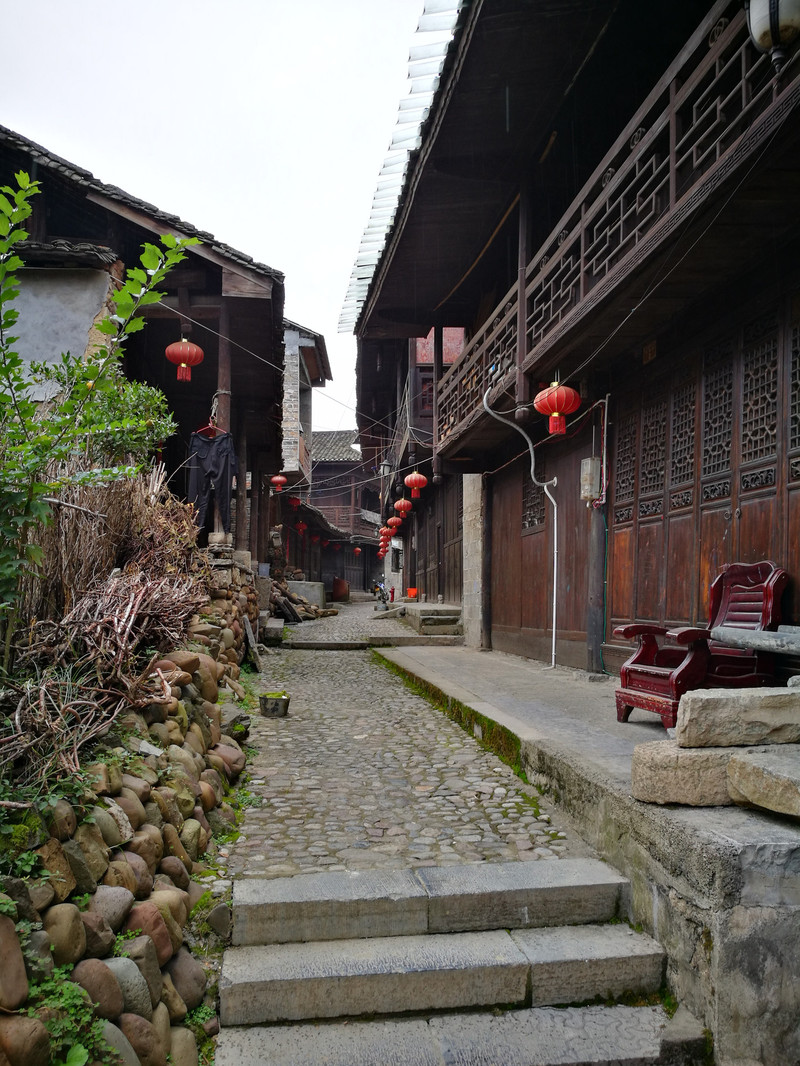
[(435, 619), (449, 966)]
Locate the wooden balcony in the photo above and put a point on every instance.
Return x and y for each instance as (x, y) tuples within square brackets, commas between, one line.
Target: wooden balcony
[(703, 133)]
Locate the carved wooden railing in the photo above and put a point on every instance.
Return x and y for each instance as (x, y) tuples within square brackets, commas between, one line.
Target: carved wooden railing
[(691, 133)]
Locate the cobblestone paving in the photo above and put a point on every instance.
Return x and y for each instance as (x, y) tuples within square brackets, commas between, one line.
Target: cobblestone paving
[(364, 774)]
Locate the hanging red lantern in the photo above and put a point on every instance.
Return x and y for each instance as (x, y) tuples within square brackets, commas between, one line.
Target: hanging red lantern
[(403, 506), (381, 554), (394, 522), (557, 401), (301, 527), (415, 481), (185, 355), (315, 538), (325, 543), (293, 502), (337, 547), (278, 482), (356, 551)]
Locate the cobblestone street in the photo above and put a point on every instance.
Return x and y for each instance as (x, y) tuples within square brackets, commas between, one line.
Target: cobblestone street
[(365, 774)]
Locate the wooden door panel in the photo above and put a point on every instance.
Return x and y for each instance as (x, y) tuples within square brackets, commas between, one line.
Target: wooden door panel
[(507, 578), (792, 562), (620, 584), (650, 558), (757, 532), (537, 580), (680, 578), (716, 548)]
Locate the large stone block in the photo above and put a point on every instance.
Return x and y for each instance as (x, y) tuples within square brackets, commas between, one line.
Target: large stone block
[(662, 772), (721, 718), (769, 778)]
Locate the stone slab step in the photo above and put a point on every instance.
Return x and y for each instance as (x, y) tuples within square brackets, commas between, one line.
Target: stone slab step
[(513, 895), (576, 1036), (428, 629), (440, 971)]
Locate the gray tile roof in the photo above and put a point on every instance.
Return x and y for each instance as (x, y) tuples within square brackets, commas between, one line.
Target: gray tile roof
[(333, 446), (51, 162)]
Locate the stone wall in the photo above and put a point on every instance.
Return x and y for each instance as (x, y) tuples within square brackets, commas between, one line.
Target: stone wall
[(130, 860), (473, 592)]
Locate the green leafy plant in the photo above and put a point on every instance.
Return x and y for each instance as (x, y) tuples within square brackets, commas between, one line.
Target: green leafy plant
[(68, 1015), (73, 428)]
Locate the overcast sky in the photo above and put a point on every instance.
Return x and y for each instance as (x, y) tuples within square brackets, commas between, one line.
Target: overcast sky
[(265, 122)]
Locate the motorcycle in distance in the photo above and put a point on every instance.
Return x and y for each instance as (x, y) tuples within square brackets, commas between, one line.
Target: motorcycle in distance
[(380, 591)]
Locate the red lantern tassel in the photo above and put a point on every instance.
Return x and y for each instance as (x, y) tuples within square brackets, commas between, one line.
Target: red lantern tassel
[(184, 372), (557, 424)]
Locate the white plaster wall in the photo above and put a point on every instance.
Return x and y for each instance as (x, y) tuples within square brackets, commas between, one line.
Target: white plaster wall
[(57, 308)]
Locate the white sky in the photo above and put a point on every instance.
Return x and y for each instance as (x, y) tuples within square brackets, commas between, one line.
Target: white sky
[(265, 122)]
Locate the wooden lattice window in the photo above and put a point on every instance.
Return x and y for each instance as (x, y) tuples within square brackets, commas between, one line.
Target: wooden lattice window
[(717, 410), (654, 448), (760, 400), (533, 501), (625, 463), (683, 434)]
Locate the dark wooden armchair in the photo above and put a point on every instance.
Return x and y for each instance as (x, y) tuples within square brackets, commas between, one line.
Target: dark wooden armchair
[(743, 596)]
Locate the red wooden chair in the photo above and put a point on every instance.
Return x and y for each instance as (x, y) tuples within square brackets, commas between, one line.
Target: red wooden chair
[(743, 596)]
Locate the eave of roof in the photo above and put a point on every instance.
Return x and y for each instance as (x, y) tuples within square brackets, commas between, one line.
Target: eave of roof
[(112, 194)]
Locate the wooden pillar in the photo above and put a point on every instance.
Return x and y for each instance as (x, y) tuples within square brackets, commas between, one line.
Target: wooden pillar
[(438, 367), (242, 535), (486, 564), (224, 370), (257, 549), (522, 390), (595, 608)]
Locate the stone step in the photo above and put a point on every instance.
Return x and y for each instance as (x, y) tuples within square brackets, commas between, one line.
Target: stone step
[(575, 1036), (429, 630), (446, 899), (439, 971)]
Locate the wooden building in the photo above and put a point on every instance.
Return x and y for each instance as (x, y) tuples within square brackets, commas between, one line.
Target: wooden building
[(84, 234), (603, 194)]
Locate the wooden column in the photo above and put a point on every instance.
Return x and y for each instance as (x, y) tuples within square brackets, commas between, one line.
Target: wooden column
[(242, 534), (224, 369), (486, 563), (438, 367), (522, 391), (595, 608), (257, 549)]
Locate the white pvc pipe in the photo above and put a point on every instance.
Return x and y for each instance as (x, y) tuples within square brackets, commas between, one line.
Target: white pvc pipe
[(543, 485)]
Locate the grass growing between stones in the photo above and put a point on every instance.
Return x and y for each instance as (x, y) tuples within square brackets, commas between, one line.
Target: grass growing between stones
[(490, 735)]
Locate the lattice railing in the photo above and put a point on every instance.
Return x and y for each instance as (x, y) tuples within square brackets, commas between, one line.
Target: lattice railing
[(671, 151)]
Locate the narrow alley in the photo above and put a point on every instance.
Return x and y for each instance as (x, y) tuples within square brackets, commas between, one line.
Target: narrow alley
[(365, 774)]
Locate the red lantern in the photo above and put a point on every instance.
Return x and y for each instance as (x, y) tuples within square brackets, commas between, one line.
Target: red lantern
[(315, 538), (185, 355), (415, 482), (278, 481), (337, 547), (394, 522), (356, 551), (557, 401), (325, 543), (301, 527), (381, 554), (384, 531), (293, 502), (403, 506)]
